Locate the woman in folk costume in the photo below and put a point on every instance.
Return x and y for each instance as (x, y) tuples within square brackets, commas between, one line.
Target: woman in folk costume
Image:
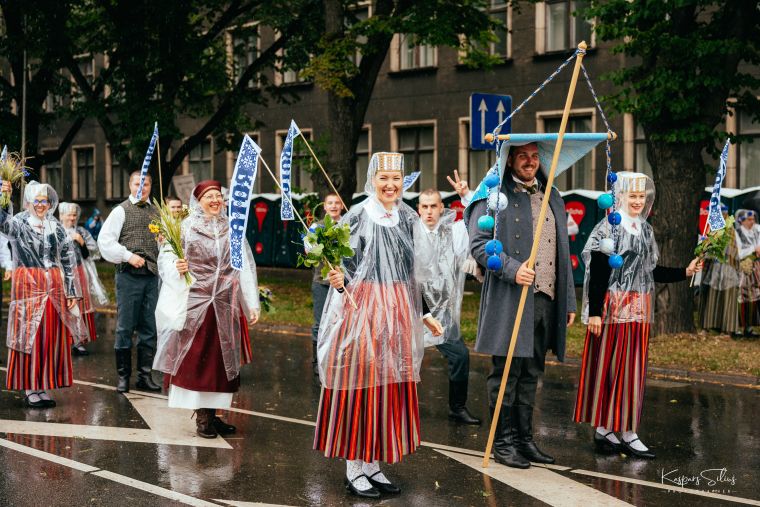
[(43, 316), (719, 291), (203, 328), (86, 253), (617, 306), (748, 250), (369, 357)]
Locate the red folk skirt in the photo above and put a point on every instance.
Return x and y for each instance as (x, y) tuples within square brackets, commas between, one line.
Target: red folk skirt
[(202, 368), (86, 306), (48, 366)]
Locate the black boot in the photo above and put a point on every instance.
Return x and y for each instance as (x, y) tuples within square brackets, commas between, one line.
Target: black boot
[(504, 445), (525, 443), (314, 365), (457, 399), (123, 369), (144, 367)]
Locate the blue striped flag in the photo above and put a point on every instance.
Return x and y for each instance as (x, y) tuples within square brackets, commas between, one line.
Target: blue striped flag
[(714, 215), (286, 162), (409, 180), (146, 162), (241, 185)]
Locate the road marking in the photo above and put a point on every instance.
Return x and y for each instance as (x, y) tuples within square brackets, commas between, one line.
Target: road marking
[(668, 487), (234, 503), (82, 467), (540, 483)]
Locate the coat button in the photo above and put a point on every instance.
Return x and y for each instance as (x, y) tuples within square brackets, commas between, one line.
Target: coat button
[(517, 219), (517, 205), (517, 252), (517, 236)]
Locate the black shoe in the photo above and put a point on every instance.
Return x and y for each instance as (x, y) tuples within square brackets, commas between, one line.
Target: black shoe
[(144, 367), (123, 369), (750, 334), (463, 416), (526, 446), (384, 487), (35, 404), (604, 445), (79, 351), (204, 423), (505, 448), (222, 427), (366, 493), (457, 400), (630, 451)]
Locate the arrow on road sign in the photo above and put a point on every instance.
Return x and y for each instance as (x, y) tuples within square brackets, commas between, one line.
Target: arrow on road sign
[(483, 109), (499, 109)]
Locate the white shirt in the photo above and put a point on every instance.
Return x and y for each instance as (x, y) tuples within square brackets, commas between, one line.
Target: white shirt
[(108, 239), (6, 261), (378, 214)]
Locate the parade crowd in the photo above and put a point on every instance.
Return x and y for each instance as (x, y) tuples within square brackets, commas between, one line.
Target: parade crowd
[(375, 315)]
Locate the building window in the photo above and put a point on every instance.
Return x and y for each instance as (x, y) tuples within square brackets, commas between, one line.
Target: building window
[(87, 68), (232, 156), (474, 164), (502, 46), (417, 143), (749, 151), (85, 159), (640, 160), (119, 178), (244, 50), (415, 56), (363, 151), (581, 174), (302, 165), (200, 161), (287, 75), (562, 25), (53, 175)]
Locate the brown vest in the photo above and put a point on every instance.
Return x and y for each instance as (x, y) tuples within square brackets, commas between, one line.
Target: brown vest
[(136, 237)]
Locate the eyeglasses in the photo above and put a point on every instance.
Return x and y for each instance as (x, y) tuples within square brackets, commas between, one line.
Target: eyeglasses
[(38, 202)]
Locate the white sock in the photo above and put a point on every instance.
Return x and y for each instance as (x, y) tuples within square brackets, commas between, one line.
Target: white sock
[(628, 436), (370, 469), (33, 396), (44, 395), (354, 470), (611, 436)]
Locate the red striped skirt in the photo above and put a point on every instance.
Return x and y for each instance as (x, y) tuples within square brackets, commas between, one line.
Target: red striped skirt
[(380, 423), (85, 304), (612, 377), (49, 364)]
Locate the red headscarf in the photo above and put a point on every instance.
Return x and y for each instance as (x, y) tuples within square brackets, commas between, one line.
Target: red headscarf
[(204, 186)]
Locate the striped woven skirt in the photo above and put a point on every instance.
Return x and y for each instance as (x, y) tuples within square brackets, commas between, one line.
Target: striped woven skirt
[(748, 314), (48, 366), (612, 377), (85, 304)]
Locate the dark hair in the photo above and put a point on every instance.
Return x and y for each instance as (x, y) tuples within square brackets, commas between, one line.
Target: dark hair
[(539, 174), (172, 198), (330, 194)]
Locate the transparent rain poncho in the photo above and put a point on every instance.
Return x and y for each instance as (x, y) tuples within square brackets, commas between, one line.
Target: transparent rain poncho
[(380, 342), (447, 248), (747, 240), (216, 286), (631, 287), (44, 270), (93, 291)]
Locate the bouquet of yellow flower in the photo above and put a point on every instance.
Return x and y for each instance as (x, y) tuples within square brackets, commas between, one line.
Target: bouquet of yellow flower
[(168, 226), (11, 169), (265, 298)]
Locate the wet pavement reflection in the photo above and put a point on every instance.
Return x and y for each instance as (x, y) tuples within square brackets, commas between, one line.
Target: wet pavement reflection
[(697, 430)]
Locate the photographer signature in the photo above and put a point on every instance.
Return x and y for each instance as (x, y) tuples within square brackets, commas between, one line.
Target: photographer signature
[(709, 478)]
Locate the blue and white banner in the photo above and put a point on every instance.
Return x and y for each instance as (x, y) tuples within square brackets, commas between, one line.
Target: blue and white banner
[(409, 180), (146, 162), (714, 215), (286, 160), (4, 154), (241, 187)]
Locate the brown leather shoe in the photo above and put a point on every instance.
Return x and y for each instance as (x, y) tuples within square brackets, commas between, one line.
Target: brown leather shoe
[(204, 423)]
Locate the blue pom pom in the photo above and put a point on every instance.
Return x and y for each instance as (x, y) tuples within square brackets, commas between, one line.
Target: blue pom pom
[(611, 178), (485, 223), (615, 261), (494, 263), (312, 229), (605, 201), (614, 218), (491, 180), (494, 247)]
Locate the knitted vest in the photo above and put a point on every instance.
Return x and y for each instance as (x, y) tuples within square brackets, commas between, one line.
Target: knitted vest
[(136, 237), (546, 258)]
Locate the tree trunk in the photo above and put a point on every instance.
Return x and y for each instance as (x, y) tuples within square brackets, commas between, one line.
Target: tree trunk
[(679, 176), (343, 138)]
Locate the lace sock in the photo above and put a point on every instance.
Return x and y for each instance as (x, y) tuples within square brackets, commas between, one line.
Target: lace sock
[(354, 470), (631, 438), (370, 469), (604, 432)]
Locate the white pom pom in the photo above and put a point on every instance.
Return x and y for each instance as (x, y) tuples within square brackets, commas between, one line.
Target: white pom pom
[(607, 246), (492, 201)]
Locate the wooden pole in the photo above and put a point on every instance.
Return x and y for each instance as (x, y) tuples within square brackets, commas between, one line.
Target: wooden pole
[(350, 297), (329, 181), (160, 176), (534, 251)]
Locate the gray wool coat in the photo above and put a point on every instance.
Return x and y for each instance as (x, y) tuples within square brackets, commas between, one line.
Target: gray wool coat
[(500, 295)]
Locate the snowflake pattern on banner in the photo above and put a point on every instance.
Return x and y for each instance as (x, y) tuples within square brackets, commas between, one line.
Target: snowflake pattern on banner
[(243, 178), (714, 216), (286, 162)]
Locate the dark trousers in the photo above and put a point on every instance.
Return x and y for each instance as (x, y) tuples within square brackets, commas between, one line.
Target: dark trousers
[(525, 371), (458, 356), (319, 297), (136, 297)]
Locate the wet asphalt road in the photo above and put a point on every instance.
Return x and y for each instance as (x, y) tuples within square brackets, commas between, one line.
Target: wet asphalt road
[(119, 451)]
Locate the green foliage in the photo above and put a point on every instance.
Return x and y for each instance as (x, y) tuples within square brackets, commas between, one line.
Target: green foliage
[(330, 242), (715, 245)]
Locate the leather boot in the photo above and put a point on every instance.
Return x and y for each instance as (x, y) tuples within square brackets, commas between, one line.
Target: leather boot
[(123, 369), (504, 445), (314, 365), (457, 399), (525, 443), (204, 423), (144, 367)]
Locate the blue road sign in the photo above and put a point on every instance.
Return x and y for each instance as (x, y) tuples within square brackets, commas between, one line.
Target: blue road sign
[(486, 112)]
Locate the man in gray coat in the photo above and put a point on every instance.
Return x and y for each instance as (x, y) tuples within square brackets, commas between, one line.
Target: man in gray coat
[(549, 309)]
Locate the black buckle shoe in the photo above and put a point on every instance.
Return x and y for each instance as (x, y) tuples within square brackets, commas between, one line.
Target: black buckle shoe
[(462, 415), (630, 451), (40, 403), (384, 487), (604, 445), (79, 351), (366, 493), (222, 427)]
